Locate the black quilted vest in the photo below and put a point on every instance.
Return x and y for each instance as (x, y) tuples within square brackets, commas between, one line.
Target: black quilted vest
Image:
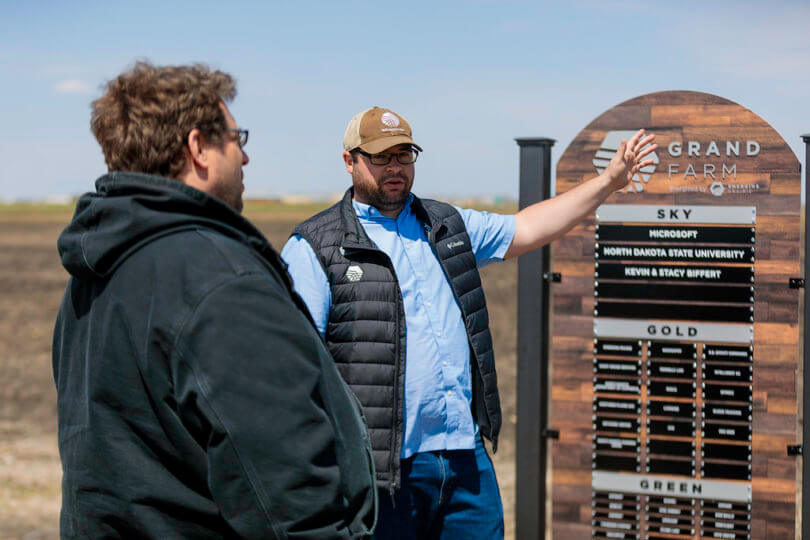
[(366, 328)]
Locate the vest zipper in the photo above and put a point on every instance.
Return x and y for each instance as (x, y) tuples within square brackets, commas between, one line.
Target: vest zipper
[(431, 234)]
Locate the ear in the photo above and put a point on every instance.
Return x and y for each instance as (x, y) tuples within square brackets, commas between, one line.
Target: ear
[(197, 149), (348, 161)]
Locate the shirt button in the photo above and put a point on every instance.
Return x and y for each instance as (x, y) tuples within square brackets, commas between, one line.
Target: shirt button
[(444, 363), (427, 304), (419, 276), (438, 334)]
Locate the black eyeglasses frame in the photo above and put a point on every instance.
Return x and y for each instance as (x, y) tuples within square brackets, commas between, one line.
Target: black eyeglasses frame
[(242, 136), (372, 157)]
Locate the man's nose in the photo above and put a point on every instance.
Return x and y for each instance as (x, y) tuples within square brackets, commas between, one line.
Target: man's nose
[(245, 158)]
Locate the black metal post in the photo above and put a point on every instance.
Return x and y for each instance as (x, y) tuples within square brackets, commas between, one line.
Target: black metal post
[(805, 517), (532, 351)]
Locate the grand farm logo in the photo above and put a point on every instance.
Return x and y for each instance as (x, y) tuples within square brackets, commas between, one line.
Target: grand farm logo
[(690, 166)]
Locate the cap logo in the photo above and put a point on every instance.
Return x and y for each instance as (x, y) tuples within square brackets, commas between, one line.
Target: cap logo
[(389, 119)]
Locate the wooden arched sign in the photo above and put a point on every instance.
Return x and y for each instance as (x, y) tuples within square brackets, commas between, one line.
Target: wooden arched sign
[(675, 338)]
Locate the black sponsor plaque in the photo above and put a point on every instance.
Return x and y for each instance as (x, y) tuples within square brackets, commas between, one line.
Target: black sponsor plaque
[(733, 452), (661, 291), (626, 526), (667, 311), (609, 366), (620, 515), (616, 386), (671, 409), (601, 513), (616, 463), (638, 252), (675, 233), (708, 505), (725, 514), (713, 411), (623, 425), (676, 428), (725, 525), (671, 370), (667, 529), (601, 442), (671, 466), (654, 499), (626, 406), (728, 353), (664, 349), (675, 273), (611, 505), (670, 510), (615, 535), (616, 348), (610, 496), (671, 448), (719, 371), (725, 392), (670, 521), (671, 389), (726, 431)]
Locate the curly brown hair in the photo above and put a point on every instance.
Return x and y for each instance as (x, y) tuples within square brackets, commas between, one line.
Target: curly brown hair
[(143, 119)]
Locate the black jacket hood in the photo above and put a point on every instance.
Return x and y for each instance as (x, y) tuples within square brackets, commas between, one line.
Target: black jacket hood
[(128, 210)]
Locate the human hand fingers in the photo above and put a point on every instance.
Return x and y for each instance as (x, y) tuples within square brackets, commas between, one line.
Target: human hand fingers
[(635, 138), (641, 143), (646, 151), (622, 150), (638, 166)]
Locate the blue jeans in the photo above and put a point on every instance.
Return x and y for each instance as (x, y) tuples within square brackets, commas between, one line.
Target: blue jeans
[(447, 495)]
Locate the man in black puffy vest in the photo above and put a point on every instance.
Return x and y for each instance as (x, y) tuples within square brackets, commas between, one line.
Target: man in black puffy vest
[(392, 283)]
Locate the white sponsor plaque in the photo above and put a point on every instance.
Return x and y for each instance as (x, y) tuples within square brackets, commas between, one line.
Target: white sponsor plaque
[(640, 213), (604, 327), (670, 486)]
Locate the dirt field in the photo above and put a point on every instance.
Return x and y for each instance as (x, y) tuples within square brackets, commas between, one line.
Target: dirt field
[(31, 284)]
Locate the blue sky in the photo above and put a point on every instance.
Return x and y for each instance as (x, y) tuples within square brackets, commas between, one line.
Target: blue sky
[(469, 76)]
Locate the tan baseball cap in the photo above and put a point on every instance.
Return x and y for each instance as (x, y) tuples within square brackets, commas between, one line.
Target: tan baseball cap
[(377, 129)]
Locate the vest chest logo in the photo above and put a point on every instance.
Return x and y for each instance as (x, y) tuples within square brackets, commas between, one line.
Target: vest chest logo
[(457, 243), (354, 273)]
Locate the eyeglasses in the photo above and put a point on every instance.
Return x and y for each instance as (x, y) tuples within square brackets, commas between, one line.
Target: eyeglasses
[(405, 157), (242, 136)]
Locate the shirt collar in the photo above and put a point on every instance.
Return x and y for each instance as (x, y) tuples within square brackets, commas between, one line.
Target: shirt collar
[(368, 212)]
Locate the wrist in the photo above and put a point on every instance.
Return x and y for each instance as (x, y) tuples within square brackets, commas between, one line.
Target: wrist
[(608, 184)]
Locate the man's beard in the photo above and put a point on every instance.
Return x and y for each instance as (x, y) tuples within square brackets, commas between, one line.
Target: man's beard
[(379, 199)]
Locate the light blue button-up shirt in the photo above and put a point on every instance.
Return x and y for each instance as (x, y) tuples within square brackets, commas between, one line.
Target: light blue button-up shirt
[(438, 389)]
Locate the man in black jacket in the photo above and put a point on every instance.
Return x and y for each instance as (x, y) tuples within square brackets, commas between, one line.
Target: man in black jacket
[(195, 397)]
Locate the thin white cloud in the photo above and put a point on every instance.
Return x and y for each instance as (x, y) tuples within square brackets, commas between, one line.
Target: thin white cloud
[(72, 86)]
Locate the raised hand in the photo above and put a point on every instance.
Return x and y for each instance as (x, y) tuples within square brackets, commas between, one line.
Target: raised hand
[(628, 159)]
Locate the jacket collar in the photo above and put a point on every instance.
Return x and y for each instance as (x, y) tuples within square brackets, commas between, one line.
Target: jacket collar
[(355, 236)]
